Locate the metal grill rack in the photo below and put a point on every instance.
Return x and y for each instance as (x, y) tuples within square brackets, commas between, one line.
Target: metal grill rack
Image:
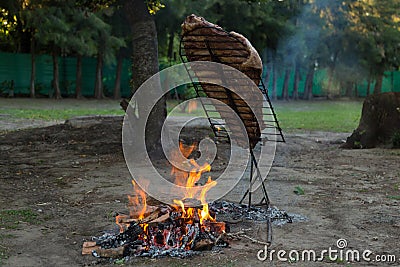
[(223, 47)]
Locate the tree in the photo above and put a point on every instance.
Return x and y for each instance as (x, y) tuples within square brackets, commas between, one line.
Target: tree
[(144, 55), (378, 24), (145, 64), (52, 29), (13, 36), (168, 21), (83, 42), (107, 47), (120, 29)]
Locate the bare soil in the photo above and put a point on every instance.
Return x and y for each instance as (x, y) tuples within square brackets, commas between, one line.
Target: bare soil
[(75, 179)]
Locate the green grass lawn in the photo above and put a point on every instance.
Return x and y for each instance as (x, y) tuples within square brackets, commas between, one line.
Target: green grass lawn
[(334, 116), (58, 114), (50, 109)]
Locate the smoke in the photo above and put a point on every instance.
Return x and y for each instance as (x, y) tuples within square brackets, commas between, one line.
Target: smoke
[(319, 37)]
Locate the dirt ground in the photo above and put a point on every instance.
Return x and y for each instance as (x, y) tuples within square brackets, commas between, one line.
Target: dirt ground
[(75, 180)]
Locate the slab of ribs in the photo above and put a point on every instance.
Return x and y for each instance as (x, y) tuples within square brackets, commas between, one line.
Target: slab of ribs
[(205, 41)]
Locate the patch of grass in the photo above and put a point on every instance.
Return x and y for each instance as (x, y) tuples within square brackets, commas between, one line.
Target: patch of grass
[(332, 116), (3, 236), (58, 114), (3, 254), (298, 190), (10, 219), (394, 197)]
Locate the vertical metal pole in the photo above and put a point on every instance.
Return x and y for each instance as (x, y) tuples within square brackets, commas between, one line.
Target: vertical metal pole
[(251, 182), (269, 229)]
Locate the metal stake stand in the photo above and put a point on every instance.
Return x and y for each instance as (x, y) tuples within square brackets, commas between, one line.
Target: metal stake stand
[(208, 47)]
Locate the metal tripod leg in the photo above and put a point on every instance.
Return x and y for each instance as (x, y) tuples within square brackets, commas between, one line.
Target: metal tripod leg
[(248, 191), (251, 183)]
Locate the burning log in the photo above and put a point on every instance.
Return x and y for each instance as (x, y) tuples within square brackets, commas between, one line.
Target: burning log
[(147, 212), (162, 218), (215, 227)]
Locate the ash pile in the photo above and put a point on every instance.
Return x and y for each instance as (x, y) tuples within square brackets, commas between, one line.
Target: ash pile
[(237, 212)]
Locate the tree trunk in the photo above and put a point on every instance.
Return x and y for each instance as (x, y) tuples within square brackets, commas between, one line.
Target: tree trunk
[(171, 45), (117, 84), (295, 95), (267, 64), (355, 89), (392, 81), (285, 88), (378, 84), (145, 64), (331, 75), (98, 85), (308, 87), (349, 89), (267, 76), (56, 83), (274, 81), (379, 123), (369, 85), (78, 89), (33, 69)]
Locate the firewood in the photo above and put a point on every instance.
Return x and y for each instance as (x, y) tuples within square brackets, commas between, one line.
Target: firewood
[(109, 253), (154, 215), (203, 244), (127, 219), (149, 210), (216, 227), (160, 219), (88, 247)]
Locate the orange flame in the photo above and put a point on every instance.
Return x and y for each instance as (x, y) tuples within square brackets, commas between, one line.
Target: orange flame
[(189, 181), (181, 205), (204, 213), (181, 176), (137, 201), (119, 221)]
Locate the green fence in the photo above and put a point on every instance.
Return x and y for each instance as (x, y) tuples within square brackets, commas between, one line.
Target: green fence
[(17, 68), (391, 83)]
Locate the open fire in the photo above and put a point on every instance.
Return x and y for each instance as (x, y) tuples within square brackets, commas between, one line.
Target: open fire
[(185, 227), (177, 229)]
